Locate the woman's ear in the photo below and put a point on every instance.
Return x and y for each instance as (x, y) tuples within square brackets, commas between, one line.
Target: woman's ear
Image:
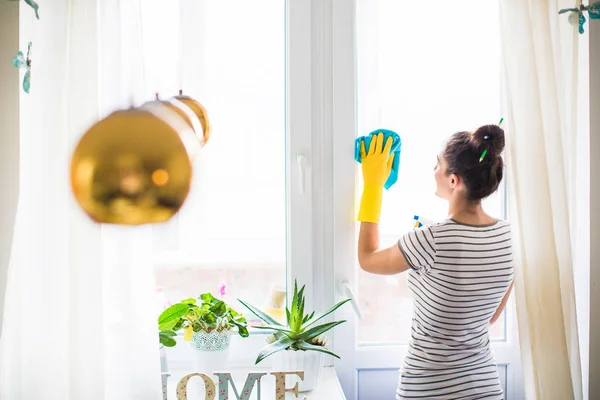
[(453, 181)]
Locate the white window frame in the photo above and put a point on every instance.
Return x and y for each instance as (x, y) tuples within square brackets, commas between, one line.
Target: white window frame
[(320, 185), (300, 164), (302, 230)]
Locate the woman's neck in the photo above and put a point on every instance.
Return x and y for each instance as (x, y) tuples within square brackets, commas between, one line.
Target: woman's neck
[(467, 212)]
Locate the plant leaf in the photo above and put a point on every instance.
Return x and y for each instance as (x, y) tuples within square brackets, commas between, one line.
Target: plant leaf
[(189, 301), (219, 308), (277, 328), (168, 326), (243, 331), (312, 347), (179, 325), (239, 318), (297, 308), (207, 298), (166, 339), (209, 318), (281, 344), (242, 328), (308, 317), (260, 314), (294, 306), (198, 310), (301, 301), (317, 330), (173, 313), (326, 313), (168, 333)]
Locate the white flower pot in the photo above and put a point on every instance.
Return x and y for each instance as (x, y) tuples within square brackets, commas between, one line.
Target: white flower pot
[(311, 362), (211, 341), (211, 351)]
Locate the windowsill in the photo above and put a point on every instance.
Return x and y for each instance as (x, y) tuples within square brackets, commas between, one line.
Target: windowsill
[(329, 387), (241, 359)]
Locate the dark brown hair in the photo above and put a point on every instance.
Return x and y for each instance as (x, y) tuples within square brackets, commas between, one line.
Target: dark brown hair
[(462, 155)]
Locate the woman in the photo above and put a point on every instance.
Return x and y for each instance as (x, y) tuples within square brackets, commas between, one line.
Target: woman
[(460, 270)]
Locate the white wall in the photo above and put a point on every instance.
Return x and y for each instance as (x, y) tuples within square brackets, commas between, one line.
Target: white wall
[(9, 135), (594, 352)]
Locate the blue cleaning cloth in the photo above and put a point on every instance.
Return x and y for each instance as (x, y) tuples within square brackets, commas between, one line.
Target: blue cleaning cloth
[(396, 145)]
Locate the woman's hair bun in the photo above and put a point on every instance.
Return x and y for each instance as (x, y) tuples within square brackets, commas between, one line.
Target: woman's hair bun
[(490, 137)]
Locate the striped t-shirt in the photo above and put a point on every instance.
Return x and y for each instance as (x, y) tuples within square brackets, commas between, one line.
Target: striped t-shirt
[(459, 275)]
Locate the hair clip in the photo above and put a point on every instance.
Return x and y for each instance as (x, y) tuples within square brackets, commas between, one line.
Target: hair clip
[(483, 155), (486, 137), (484, 152)]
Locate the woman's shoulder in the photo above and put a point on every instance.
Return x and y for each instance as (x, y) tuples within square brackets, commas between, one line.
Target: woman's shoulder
[(451, 225)]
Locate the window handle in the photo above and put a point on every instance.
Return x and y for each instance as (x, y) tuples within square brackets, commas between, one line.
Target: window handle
[(301, 160), (347, 292)]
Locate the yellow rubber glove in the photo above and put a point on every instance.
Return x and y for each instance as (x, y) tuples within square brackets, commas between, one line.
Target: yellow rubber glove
[(376, 167)]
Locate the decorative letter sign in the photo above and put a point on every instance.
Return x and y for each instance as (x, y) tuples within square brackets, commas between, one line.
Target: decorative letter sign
[(224, 381), (280, 388), (209, 386)]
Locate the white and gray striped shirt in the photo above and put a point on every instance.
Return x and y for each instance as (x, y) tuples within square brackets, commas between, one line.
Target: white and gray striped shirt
[(459, 275)]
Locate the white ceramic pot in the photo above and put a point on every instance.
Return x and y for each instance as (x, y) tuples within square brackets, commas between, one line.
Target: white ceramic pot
[(311, 362), (211, 341), (210, 351)]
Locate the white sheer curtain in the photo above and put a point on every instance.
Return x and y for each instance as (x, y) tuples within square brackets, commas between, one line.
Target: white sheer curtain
[(79, 320), (540, 65)]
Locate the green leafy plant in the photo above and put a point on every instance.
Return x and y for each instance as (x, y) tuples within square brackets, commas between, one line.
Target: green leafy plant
[(207, 314), (300, 332)]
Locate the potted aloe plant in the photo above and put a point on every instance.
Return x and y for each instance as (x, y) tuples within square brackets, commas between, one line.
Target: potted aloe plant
[(208, 323), (300, 342)]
